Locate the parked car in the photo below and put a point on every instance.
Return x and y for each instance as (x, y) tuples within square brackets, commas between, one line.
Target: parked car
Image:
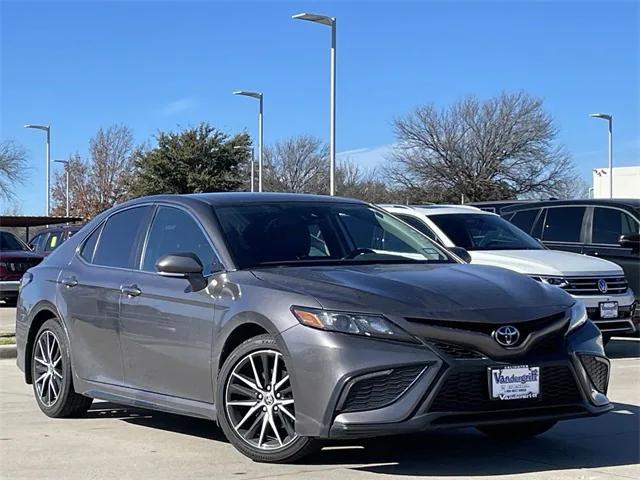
[(15, 259), (295, 318), (491, 240), (608, 229), (49, 239)]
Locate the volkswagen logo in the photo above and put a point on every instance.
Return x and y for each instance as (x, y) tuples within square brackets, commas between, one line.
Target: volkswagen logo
[(507, 336), (602, 285)]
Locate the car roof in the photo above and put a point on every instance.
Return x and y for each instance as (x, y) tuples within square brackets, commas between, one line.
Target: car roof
[(237, 198), (434, 209), (633, 203)]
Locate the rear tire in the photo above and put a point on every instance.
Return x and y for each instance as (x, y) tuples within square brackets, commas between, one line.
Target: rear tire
[(517, 431), (249, 416), (51, 374)]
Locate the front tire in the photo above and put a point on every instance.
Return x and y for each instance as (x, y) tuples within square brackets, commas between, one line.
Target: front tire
[(255, 404), (51, 374), (517, 431)]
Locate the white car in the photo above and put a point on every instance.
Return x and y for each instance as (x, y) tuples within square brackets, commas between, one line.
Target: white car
[(491, 240)]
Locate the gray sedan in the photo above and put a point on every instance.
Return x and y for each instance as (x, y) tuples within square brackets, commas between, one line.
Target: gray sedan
[(290, 319)]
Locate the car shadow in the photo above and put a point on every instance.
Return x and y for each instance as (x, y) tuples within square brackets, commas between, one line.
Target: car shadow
[(153, 419), (609, 440), (623, 347)]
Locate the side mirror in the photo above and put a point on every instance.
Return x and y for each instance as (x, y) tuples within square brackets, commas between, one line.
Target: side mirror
[(183, 265), (630, 240), (462, 253)]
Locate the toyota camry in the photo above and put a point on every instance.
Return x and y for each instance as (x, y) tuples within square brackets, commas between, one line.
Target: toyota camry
[(292, 319)]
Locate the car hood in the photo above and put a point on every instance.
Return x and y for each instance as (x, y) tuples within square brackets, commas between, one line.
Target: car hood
[(452, 292), (546, 262)]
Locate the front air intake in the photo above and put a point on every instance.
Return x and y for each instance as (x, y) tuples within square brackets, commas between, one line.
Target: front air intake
[(379, 389), (598, 370)]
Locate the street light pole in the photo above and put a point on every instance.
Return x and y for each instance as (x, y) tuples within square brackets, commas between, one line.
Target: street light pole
[(331, 22), (608, 118), (253, 159), (47, 129), (66, 172), (259, 96)]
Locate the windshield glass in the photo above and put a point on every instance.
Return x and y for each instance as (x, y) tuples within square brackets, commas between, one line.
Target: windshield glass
[(477, 231), (8, 242), (301, 233)]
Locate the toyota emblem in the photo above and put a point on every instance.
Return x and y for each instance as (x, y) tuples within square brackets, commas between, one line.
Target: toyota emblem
[(602, 285), (507, 336)]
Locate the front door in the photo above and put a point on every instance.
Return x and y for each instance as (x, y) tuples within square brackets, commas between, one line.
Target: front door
[(166, 327)]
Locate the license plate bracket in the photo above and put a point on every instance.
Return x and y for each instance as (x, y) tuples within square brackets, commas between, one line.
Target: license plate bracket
[(608, 310), (514, 382)]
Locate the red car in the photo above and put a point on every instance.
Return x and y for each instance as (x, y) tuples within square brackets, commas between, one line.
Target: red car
[(15, 259)]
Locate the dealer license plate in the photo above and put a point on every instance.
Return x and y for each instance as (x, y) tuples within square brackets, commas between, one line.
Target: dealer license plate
[(608, 309), (514, 382)]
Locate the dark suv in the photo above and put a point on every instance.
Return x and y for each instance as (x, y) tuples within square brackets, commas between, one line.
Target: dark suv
[(608, 229), (47, 240)]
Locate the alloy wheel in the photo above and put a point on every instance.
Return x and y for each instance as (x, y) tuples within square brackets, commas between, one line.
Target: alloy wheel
[(48, 368), (259, 401)]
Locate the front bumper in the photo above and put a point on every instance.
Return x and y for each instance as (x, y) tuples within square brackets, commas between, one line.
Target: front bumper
[(624, 324), (9, 288), (326, 367)]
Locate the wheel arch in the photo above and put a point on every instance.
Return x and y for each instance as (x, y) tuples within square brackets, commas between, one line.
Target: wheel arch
[(41, 313)]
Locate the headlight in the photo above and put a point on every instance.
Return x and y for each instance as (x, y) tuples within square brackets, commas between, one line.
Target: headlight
[(555, 281), (354, 323), (578, 316), (25, 280)]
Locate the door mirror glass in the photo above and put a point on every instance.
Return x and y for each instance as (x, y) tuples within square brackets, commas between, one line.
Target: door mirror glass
[(462, 253), (630, 240)]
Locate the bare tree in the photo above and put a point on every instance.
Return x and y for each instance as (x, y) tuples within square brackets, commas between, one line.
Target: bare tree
[(13, 165), (355, 182), (501, 148), (298, 165), (103, 180)]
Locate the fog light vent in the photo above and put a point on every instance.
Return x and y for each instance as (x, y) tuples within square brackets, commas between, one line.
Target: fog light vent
[(379, 389), (598, 370)]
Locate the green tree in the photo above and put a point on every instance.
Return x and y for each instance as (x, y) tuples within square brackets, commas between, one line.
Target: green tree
[(195, 160)]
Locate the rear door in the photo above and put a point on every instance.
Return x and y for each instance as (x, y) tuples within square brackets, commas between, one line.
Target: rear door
[(563, 228), (607, 224), (90, 293), (167, 327)]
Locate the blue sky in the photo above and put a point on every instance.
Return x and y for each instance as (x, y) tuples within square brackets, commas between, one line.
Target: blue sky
[(161, 65)]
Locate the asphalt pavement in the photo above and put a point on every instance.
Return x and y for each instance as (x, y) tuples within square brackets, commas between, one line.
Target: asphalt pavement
[(113, 441)]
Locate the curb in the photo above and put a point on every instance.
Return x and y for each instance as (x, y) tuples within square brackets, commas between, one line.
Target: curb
[(8, 351)]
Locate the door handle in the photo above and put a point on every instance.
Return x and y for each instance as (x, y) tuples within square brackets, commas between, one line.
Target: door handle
[(69, 282), (130, 290)]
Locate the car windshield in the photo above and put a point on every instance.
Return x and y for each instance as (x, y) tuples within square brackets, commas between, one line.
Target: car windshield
[(477, 231), (8, 242), (312, 233)]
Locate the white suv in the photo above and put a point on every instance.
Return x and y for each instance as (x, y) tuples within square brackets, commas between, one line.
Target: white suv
[(491, 240)]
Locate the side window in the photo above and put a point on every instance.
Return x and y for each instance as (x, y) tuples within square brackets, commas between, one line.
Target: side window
[(118, 245), (524, 219), (175, 231), (418, 225), (89, 246), (563, 224), (609, 224), (55, 239), (36, 242)]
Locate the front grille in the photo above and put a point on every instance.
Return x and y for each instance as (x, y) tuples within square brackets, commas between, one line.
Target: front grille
[(589, 285), (525, 327), (468, 391), (598, 371), (457, 351), (377, 391)]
